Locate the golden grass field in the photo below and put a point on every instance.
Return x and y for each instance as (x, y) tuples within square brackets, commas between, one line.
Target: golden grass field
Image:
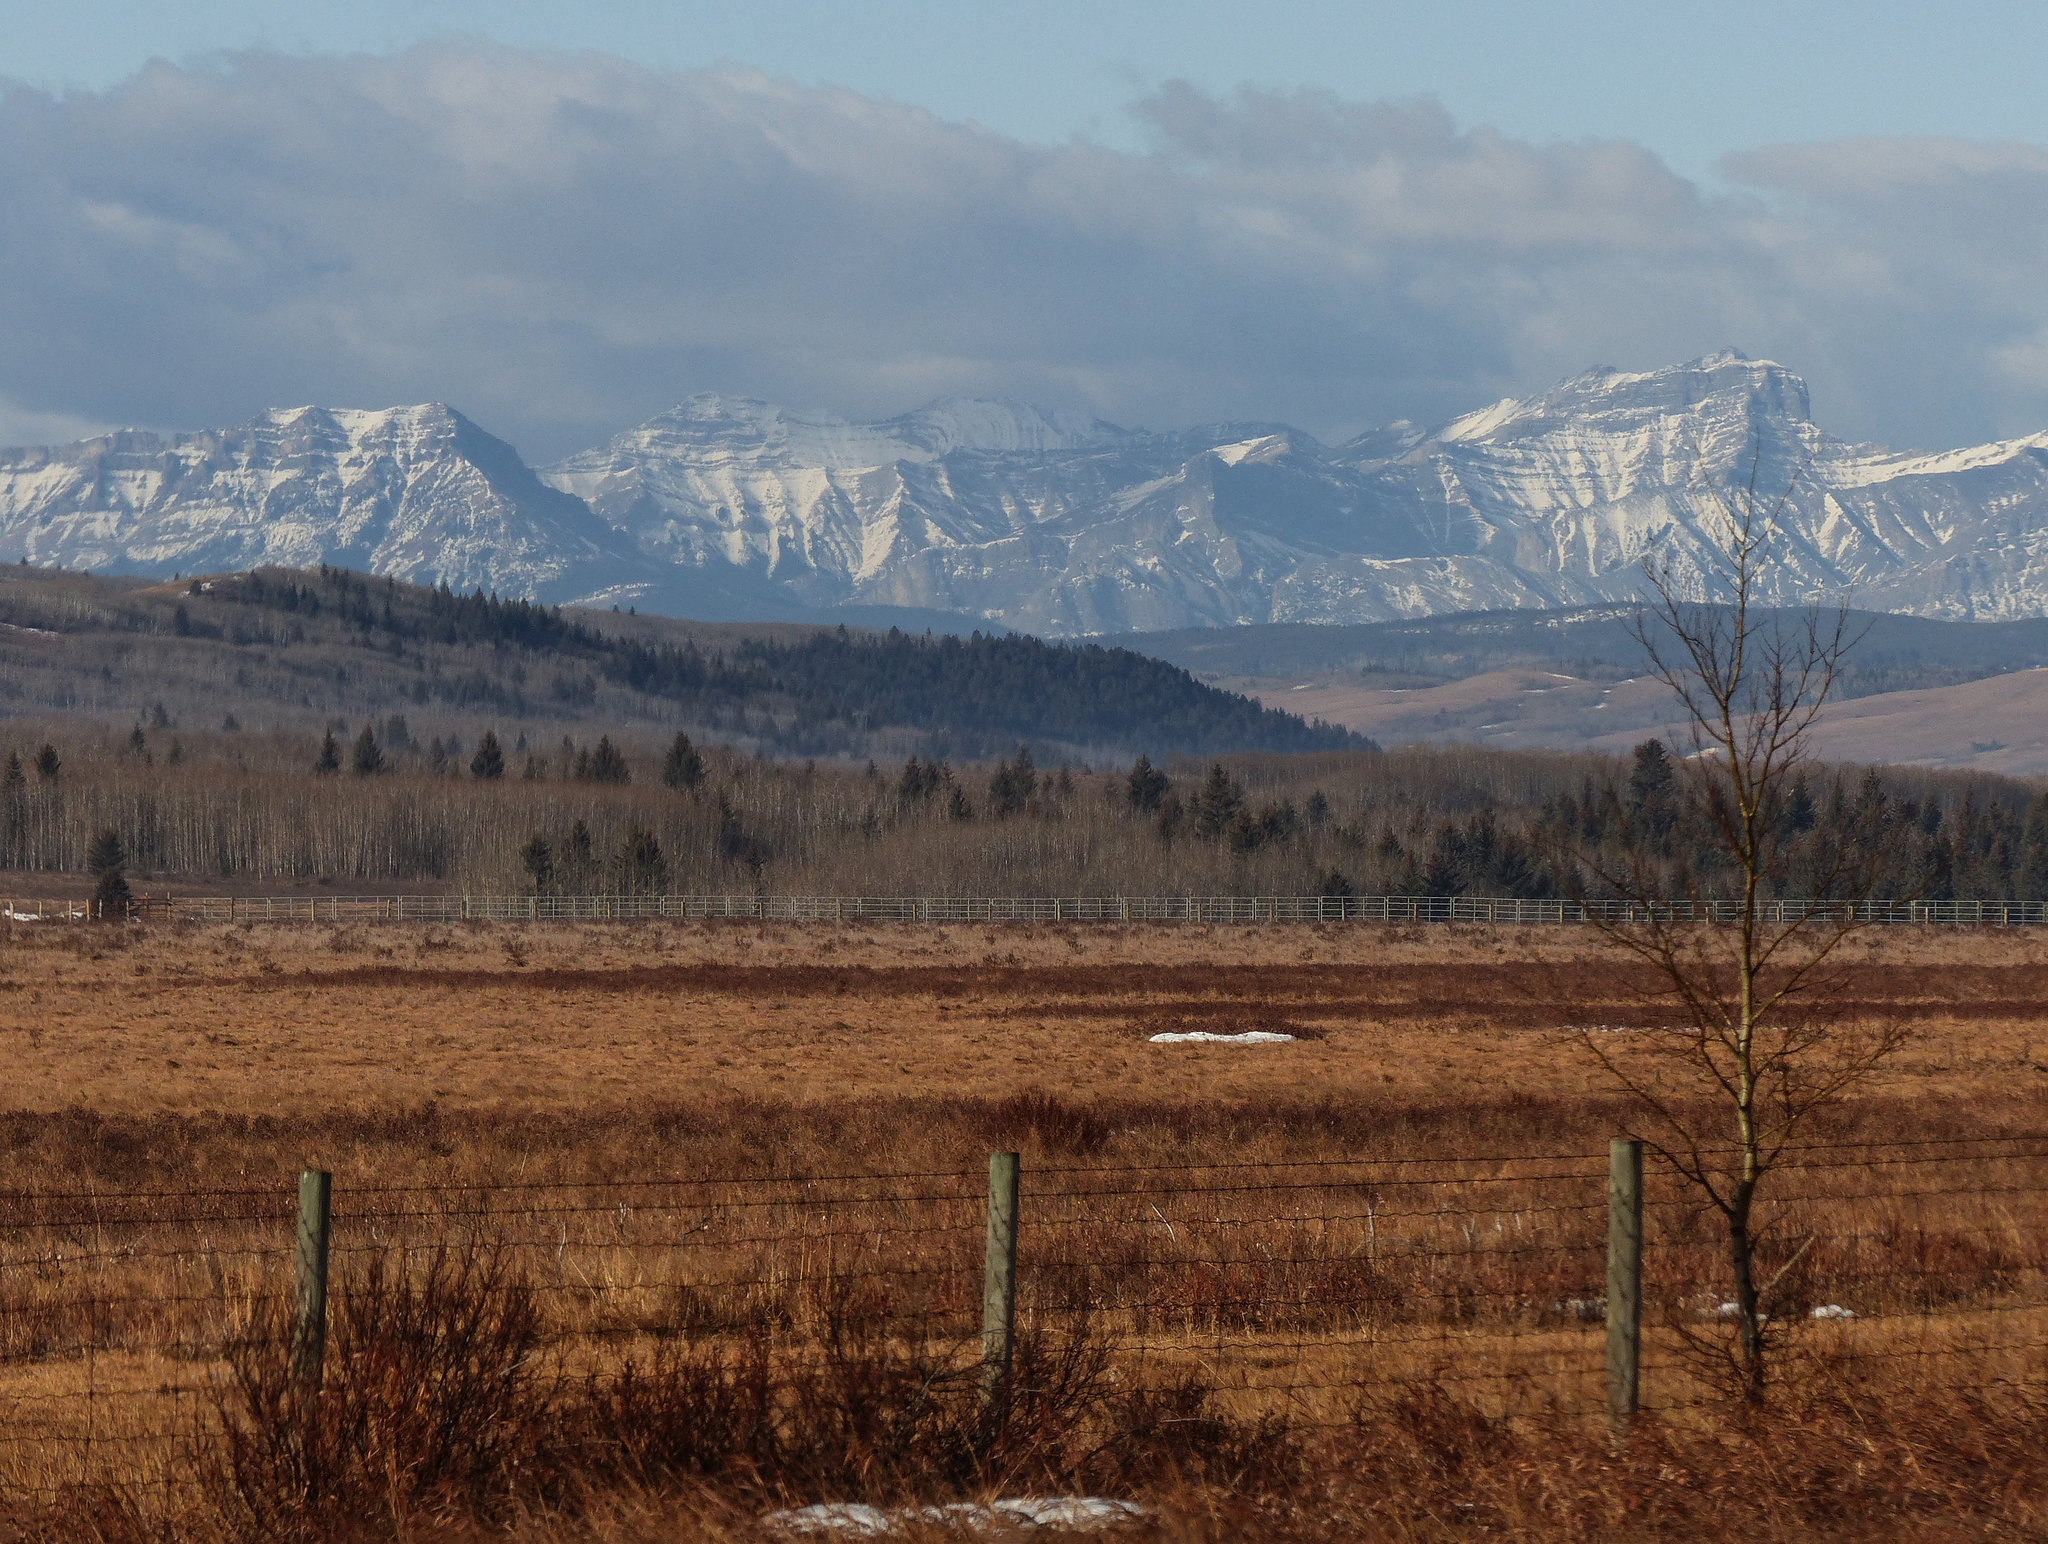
[(314, 1021), (1172, 1207)]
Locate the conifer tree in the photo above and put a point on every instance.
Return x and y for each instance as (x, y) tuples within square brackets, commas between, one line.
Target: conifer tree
[(47, 764), (538, 859), (1013, 784), (576, 858), (1147, 785), (608, 763), (105, 851), (1216, 806), (14, 806), (329, 759), (366, 759), (488, 764), (111, 897), (642, 868), (683, 768)]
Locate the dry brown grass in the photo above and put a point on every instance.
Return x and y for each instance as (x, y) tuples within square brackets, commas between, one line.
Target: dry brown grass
[(590, 1060), (558, 1022)]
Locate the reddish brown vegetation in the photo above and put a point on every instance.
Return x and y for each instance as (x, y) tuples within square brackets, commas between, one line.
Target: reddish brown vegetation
[(1290, 1360)]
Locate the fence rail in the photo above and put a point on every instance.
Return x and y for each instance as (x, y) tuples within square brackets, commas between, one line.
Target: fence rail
[(1010, 909)]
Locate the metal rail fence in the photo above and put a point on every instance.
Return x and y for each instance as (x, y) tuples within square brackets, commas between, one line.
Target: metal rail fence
[(1010, 909), (1241, 909), (135, 1329)]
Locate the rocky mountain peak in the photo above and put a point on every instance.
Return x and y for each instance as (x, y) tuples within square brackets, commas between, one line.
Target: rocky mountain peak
[(1055, 522)]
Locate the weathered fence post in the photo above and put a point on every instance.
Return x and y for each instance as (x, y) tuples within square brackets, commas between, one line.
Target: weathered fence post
[(1624, 1282), (999, 1276), (309, 1318)]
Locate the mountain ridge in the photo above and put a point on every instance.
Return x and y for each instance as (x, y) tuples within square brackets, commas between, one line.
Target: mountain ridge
[(1043, 520)]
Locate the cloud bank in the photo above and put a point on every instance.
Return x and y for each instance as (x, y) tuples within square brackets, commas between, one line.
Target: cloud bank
[(564, 244)]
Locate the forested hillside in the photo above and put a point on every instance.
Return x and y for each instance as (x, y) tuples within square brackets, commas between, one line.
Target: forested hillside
[(281, 648)]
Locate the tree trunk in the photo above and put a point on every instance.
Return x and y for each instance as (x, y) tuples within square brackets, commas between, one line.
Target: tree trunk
[(1742, 1259)]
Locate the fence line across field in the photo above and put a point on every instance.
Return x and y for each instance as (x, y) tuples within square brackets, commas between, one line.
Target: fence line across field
[(1012, 909), (1527, 1284)]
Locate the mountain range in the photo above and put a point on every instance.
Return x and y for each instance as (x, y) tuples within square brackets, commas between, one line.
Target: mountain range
[(1055, 523)]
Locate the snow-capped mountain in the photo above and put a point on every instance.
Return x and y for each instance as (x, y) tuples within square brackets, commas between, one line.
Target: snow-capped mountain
[(417, 492), (1062, 527), (1061, 524)]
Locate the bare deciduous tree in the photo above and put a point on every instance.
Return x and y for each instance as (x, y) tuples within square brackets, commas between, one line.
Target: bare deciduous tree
[(1767, 1036)]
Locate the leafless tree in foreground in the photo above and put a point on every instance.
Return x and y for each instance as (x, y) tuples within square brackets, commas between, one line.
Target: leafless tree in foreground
[(1766, 1036)]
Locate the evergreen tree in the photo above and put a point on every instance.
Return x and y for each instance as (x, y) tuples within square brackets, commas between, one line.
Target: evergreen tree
[(1652, 792), (1800, 814), (2030, 883), (1147, 785), (735, 843), (47, 764), (682, 768), (1217, 805), (488, 764), (1336, 886), (111, 897), (538, 859), (576, 858), (329, 759), (1013, 783), (105, 851), (366, 759), (607, 764), (14, 805), (920, 781), (642, 868)]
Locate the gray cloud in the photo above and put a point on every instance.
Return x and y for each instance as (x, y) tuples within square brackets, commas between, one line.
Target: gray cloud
[(562, 245)]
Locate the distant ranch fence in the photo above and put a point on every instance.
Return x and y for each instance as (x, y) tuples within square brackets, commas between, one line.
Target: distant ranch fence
[(1001, 909)]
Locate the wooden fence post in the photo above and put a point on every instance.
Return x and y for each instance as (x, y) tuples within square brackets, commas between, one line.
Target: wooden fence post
[(1624, 1282), (309, 1319), (999, 1275)]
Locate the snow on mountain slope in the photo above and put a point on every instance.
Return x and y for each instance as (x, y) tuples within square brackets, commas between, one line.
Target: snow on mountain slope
[(1061, 527), (731, 507), (417, 492)]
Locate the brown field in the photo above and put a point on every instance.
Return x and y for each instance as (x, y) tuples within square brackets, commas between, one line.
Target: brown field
[(1411, 1325), (317, 1024)]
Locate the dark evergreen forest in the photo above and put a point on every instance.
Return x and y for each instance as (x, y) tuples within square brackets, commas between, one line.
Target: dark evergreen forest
[(823, 691)]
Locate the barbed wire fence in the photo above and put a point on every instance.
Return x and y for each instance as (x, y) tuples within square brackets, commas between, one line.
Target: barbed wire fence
[(1564, 1286)]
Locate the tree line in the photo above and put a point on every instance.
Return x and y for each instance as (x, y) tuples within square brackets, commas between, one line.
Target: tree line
[(638, 813)]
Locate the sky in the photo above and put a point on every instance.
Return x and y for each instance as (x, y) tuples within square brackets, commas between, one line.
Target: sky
[(564, 219)]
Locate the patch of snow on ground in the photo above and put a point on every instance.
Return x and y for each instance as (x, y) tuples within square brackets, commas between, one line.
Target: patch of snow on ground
[(1073, 1513), (1207, 1037), (1825, 1311)]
